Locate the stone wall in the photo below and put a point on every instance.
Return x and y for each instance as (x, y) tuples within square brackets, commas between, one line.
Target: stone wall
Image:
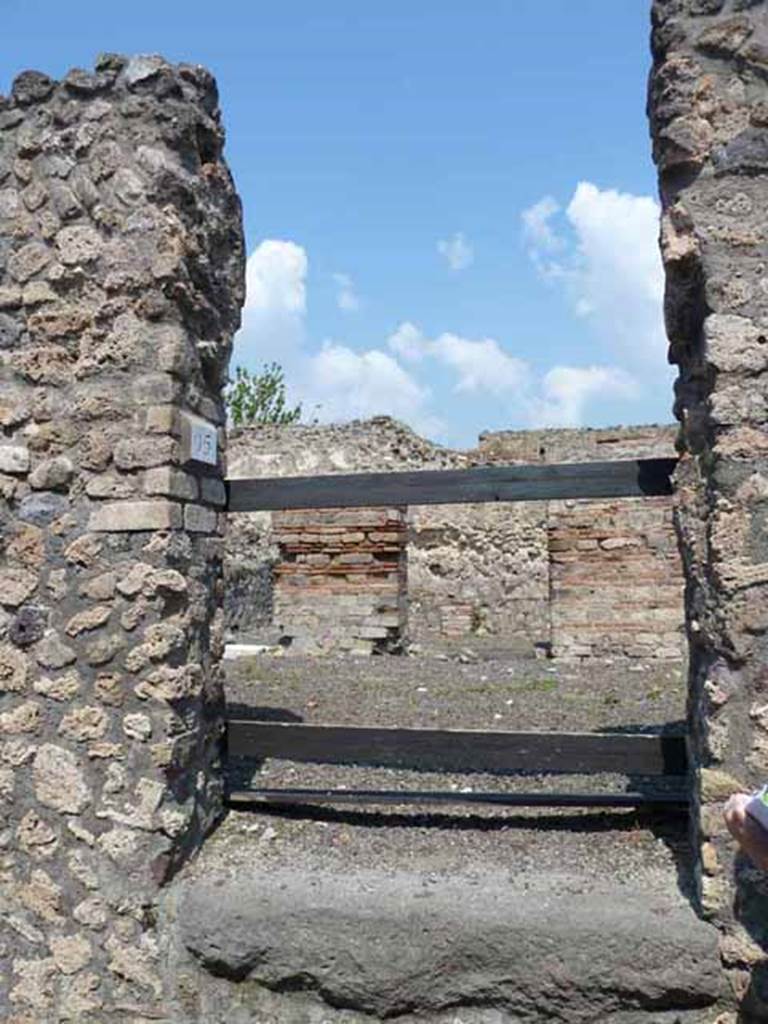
[(709, 117), (527, 575), (121, 281)]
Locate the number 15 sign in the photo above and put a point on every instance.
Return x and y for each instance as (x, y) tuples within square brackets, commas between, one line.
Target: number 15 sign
[(199, 440)]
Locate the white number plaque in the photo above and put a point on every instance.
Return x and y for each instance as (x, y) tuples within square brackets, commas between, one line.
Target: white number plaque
[(200, 441)]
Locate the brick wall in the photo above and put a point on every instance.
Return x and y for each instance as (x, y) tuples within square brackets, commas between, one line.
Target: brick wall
[(614, 573), (340, 579), (616, 583)]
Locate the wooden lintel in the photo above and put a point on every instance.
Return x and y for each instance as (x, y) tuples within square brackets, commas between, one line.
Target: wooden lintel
[(631, 478)]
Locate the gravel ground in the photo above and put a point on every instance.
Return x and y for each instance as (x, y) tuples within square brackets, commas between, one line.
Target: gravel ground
[(472, 688)]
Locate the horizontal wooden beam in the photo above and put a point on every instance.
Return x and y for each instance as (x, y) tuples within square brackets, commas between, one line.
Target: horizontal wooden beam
[(626, 479), (453, 750), (245, 797)]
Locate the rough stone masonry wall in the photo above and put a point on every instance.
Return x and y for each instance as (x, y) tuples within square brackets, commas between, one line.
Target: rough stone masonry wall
[(121, 281), (708, 105), (589, 578)]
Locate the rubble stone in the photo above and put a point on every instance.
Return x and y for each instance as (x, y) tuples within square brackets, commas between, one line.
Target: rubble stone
[(59, 780)]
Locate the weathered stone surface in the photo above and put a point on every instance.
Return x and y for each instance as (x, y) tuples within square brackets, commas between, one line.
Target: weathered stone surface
[(24, 718), (85, 550), (28, 626), (70, 953), (28, 261), (42, 896), (14, 668), (109, 688), (31, 87), (133, 582), (91, 912), (164, 580), (59, 780), (52, 653), (110, 487), (137, 727), (515, 951), (140, 453), (27, 546), (716, 310), (173, 483), (41, 509), (16, 585), (36, 836), (91, 618), (100, 588), (131, 516), (13, 459), (81, 724), (198, 519), (10, 297), (60, 688), (52, 475), (78, 245), (103, 649), (10, 331)]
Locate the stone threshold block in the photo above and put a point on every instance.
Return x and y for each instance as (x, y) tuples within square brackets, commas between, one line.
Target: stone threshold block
[(387, 944)]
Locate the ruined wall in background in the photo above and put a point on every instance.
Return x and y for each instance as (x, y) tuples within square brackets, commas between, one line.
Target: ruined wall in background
[(614, 574), (326, 608), (616, 582), (121, 281), (708, 106), (525, 575), (339, 583)]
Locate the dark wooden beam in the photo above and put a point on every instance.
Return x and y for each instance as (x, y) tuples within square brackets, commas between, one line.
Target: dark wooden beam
[(453, 750), (285, 797), (637, 478)]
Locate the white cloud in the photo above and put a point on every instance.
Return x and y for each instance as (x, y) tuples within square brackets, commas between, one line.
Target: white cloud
[(608, 265), (537, 226), (457, 252), (275, 305), (339, 384), (408, 342), (346, 297), (336, 382), (619, 281), (480, 365), (566, 390), (276, 278)]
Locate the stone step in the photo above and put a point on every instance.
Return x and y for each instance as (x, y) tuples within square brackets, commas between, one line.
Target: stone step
[(286, 945)]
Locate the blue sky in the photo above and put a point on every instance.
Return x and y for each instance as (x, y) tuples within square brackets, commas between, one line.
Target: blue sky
[(449, 206)]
